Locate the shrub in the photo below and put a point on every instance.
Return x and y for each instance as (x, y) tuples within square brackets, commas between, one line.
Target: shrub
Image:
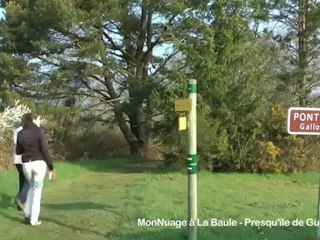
[(95, 143), (10, 118), (260, 144)]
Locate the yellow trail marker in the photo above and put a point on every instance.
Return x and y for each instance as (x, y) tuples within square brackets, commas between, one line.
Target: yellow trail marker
[(183, 105), (182, 123)]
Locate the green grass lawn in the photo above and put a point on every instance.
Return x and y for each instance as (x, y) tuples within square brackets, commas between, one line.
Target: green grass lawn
[(93, 200)]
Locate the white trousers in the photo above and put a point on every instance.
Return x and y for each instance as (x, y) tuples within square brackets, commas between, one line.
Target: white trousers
[(35, 173)]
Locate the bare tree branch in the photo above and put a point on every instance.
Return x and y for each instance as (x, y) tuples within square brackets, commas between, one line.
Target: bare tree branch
[(98, 91), (48, 61), (165, 62), (158, 41), (115, 46)]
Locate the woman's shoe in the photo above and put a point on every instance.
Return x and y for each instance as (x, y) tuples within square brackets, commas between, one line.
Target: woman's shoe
[(27, 221), (20, 206), (36, 223), (39, 222)]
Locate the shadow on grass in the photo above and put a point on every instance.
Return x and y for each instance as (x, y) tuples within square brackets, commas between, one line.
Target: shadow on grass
[(6, 201), (6, 205), (124, 165), (73, 227), (78, 206), (223, 233)]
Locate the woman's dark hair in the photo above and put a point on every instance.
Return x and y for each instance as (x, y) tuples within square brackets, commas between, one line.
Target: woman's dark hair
[(27, 119)]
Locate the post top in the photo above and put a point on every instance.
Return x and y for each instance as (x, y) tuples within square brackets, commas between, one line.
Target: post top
[(192, 81)]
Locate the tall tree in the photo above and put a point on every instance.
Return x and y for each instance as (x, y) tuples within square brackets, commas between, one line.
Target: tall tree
[(97, 49), (234, 66), (299, 37)]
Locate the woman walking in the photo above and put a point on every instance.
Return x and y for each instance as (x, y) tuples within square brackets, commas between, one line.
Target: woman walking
[(32, 145), (23, 185)]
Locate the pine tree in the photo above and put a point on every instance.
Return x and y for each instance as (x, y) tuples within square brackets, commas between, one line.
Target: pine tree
[(95, 49), (299, 37)]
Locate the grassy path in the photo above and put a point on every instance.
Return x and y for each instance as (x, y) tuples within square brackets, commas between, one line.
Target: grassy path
[(87, 202), (103, 200)]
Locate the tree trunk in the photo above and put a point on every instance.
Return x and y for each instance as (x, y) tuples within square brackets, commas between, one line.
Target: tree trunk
[(137, 145), (137, 62), (140, 146), (137, 148), (303, 53), (137, 65)]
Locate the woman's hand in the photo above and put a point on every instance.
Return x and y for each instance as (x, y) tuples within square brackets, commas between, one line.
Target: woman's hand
[(52, 175)]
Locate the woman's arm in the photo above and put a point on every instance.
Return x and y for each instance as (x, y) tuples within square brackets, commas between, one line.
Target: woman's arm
[(44, 150), (19, 147)]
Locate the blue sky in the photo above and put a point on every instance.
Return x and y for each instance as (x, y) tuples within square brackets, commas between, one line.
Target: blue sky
[(1, 12)]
